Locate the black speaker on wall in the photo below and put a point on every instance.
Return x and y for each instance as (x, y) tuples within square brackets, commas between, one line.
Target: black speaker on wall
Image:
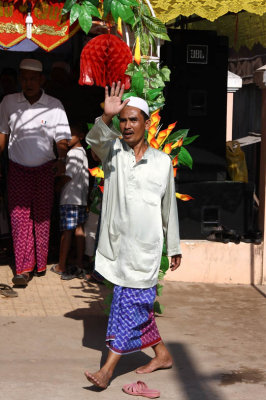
[(215, 203), (196, 97)]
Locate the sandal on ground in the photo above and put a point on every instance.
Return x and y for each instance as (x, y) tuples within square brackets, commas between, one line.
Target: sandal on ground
[(7, 290), (140, 389), (54, 270), (21, 280), (72, 272)]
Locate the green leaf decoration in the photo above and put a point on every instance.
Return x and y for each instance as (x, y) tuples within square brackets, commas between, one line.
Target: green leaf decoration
[(130, 3), (164, 264), (158, 308), (144, 43), (164, 249), (108, 299), (74, 13), (106, 7), (128, 94), (116, 123), (91, 9), (154, 25), (153, 93), (108, 284), (94, 2), (85, 19), (114, 10), (165, 73), (68, 5), (152, 69), (189, 140), (174, 136), (125, 13), (161, 275), (159, 289), (137, 83), (185, 158), (90, 125)]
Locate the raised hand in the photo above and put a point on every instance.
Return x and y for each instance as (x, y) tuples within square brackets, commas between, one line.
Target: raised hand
[(112, 103)]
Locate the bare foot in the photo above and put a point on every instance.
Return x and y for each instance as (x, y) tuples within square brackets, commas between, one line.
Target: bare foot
[(154, 364), (100, 379)]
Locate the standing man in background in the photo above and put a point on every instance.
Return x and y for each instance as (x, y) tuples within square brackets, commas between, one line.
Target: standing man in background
[(30, 122)]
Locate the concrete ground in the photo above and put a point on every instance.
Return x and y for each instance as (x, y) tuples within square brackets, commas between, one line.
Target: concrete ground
[(54, 330)]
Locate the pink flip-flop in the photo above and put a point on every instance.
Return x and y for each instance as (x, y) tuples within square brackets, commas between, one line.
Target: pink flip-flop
[(140, 389)]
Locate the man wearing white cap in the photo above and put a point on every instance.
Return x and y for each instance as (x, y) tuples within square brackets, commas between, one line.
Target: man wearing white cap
[(30, 122), (138, 212)]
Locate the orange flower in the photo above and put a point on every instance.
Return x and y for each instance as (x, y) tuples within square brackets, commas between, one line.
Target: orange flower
[(175, 170), (184, 197), (97, 172), (178, 143), (119, 26), (137, 56), (175, 161), (154, 144), (101, 188), (155, 118), (151, 133), (167, 148), (163, 135)]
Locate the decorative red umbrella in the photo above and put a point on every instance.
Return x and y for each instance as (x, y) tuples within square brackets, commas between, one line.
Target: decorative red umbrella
[(104, 60)]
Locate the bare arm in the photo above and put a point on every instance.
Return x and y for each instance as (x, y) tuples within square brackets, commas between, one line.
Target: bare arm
[(62, 148), (3, 141)]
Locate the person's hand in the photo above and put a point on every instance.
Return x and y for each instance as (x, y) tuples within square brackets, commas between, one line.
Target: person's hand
[(112, 103), (59, 168), (175, 262)]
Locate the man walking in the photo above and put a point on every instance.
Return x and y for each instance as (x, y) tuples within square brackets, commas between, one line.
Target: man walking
[(138, 212), (30, 122)]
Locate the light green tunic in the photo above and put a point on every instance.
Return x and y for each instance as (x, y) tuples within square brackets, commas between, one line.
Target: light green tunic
[(138, 210)]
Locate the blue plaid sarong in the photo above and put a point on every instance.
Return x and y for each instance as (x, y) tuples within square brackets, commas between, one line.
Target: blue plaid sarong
[(131, 325), (71, 216)]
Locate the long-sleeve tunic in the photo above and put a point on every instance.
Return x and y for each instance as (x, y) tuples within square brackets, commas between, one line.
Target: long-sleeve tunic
[(138, 210)]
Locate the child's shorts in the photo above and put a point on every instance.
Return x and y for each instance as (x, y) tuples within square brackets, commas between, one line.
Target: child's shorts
[(71, 216)]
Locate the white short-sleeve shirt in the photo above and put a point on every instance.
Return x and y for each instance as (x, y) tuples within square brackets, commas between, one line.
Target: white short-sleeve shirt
[(76, 191), (33, 128)]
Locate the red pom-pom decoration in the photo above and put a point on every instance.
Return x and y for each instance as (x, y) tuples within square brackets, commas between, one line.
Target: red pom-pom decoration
[(104, 60)]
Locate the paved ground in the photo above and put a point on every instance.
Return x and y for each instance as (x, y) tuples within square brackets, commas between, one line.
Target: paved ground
[(55, 330)]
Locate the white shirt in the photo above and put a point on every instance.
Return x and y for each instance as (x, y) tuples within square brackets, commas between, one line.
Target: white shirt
[(33, 128), (76, 191), (138, 211)]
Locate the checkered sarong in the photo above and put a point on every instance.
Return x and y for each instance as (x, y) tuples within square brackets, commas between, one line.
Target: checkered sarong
[(131, 325), (71, 216)]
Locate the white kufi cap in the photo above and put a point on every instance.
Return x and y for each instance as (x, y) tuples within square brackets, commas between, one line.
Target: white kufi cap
[(138, 102), (31, 64)]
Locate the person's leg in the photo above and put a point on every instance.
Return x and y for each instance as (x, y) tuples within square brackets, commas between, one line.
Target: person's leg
[(42, 208), (162, 360), (80, 244), (102, 377), (65, 244), (20, 187)]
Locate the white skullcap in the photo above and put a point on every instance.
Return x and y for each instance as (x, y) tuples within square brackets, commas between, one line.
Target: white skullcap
[(31, 64), (138, 102)]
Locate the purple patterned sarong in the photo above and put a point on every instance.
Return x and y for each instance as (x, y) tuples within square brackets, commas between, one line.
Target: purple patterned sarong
[(131, 325)]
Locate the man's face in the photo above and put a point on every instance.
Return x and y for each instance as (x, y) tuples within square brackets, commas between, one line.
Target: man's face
[(133, 125), (31, 82)]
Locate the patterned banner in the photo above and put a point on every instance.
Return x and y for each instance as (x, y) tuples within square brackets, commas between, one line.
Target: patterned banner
[(49, 29), (167, 10)]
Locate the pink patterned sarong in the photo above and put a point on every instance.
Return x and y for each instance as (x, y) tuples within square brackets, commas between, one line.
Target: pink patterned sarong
[(30, 200)]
